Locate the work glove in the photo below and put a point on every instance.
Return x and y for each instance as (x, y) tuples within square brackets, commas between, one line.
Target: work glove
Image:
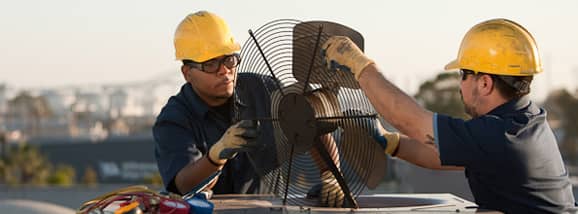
[(389, 141), (331, 193), (240, 137), (341, 54)]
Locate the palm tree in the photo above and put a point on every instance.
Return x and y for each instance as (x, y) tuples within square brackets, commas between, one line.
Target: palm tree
[(24, 165), (29, 109)]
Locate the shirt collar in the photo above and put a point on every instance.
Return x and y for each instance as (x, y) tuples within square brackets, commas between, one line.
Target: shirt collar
[(511, 106), (198, 106)]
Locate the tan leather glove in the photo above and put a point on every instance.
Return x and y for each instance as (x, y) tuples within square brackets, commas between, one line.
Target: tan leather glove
[(331, 193), (389, 141), (341, 54), (239, 137)]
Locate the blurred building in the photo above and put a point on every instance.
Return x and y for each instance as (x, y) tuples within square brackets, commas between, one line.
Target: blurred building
[(94, 112)]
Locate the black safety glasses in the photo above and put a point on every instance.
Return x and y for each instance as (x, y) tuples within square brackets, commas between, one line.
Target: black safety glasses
[(213, 65), (464, 73)]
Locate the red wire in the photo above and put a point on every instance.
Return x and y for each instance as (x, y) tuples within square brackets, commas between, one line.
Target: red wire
[(143, 198)]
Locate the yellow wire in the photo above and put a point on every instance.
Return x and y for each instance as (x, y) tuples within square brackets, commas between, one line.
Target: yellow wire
[(129, 189)]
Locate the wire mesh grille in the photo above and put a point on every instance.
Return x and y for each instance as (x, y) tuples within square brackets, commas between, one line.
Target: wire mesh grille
[(286, 55)]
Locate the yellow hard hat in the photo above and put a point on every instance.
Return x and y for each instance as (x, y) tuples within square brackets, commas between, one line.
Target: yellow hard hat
[(202, 36), (498, 46)]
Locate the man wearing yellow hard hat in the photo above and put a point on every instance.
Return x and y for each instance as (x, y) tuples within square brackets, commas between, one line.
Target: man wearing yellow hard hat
[(194, 133), (509, 153)]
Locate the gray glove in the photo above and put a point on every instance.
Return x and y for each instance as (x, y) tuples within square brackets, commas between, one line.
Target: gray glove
[(238, 138), (331, 193)]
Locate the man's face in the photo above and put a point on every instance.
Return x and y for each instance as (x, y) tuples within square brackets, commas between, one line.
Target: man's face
[(214, 79), (469, 93)]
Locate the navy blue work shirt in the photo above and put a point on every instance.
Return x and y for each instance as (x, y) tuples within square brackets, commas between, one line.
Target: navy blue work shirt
[(511, 158), (186, 129)]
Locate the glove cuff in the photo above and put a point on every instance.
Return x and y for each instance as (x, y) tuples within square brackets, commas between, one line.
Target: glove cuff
[(213, 162), (363, 62), (392, 142), (213, 155)]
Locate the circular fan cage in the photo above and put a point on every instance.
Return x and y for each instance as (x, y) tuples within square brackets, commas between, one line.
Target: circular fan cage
[(310, 110)]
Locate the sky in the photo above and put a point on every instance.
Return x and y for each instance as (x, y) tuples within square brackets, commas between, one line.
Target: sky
[(76, 42)]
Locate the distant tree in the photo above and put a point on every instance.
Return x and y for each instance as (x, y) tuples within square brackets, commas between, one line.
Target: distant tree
[(154, 179), (24, 165), (442, 95), (64, 175), (562, 110), (4, 171), (90, 177)]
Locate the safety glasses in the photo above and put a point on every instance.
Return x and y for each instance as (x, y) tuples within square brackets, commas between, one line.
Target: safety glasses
[(213, 65), (464, 73)]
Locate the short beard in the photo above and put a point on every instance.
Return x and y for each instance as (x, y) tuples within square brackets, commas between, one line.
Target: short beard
[(471, 109), (223, 97)]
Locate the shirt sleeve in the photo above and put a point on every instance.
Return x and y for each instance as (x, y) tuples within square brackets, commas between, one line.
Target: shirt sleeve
[(466, 143), (175, 147)]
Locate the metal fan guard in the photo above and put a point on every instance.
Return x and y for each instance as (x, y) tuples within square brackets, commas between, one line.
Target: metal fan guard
[(269, 53)]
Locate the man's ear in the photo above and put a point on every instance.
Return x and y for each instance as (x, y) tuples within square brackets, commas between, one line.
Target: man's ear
[(486, 84), (185, 71)]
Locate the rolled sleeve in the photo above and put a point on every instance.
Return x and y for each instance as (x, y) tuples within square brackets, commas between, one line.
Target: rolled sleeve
[(464, 143), (175, 147), (435, 128)]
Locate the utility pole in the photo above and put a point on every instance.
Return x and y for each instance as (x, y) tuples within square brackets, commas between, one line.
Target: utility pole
[(3, 143)]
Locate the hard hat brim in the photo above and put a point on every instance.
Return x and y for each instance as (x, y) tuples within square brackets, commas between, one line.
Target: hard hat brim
[(452, 66)]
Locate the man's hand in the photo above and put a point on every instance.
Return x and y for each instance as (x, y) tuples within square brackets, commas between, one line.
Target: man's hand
[(342, 54), (239, 137), (331, 193), (389, 141)]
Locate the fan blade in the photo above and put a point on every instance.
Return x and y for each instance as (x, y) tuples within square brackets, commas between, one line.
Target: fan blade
[(372, 167), (307, 47), (325, 103), (349, 201), (324, 127)]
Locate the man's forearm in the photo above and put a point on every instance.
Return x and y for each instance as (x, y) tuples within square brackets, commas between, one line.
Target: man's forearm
[(396, 107), (194, 173), (421, 154)]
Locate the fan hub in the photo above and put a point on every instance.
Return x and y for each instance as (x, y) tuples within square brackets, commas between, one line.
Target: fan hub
[(297, 120)]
